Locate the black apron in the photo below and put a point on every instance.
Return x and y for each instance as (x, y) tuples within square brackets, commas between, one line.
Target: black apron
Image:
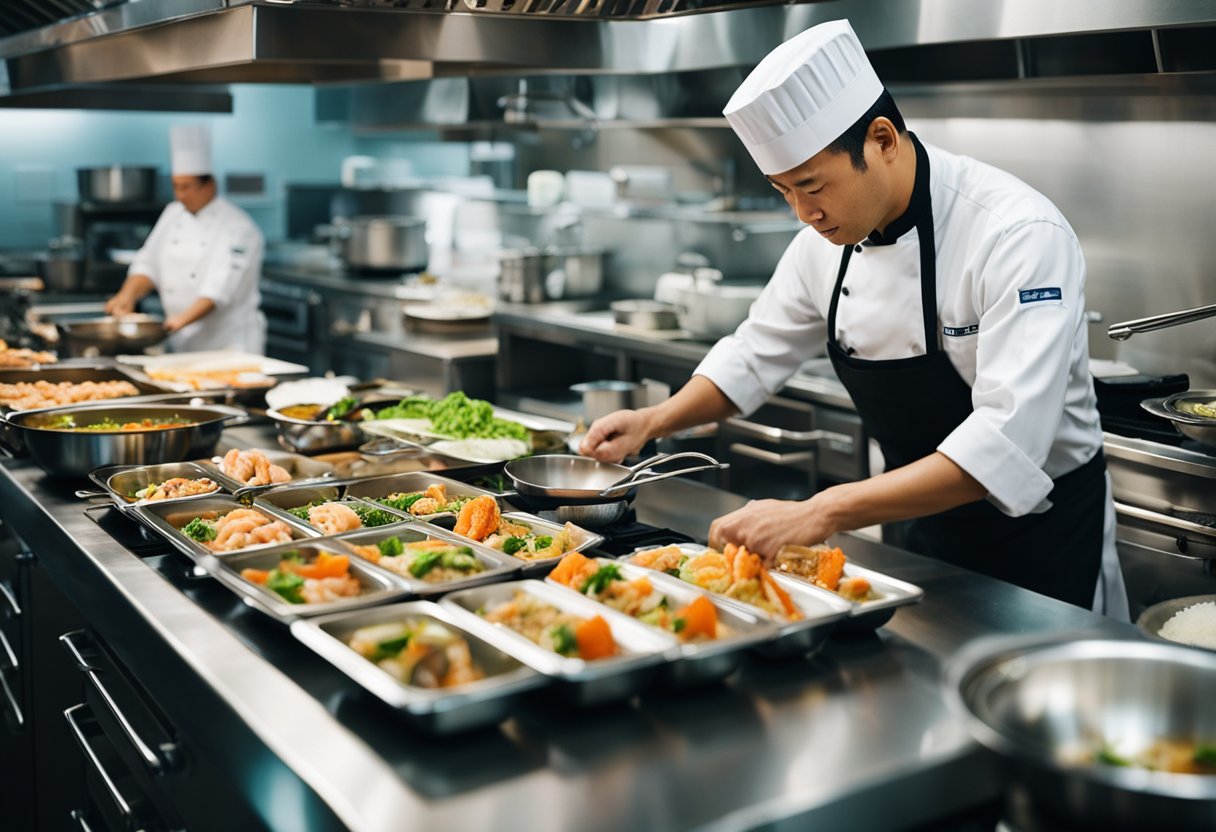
[(909, 405)]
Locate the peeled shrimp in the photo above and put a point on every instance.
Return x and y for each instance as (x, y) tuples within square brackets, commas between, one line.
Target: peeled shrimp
[(245, 527), (333, 518), (320, 590), (238, 465), (479, 518), (253, 467)]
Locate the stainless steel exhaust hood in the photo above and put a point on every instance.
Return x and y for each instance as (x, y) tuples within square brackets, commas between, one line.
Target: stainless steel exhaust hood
[(360, 41)]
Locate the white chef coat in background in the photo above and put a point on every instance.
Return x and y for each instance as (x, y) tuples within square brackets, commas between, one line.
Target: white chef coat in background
[(1011, 295), (215, 254)]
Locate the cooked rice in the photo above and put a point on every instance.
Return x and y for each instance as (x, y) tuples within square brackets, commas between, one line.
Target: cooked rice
[(1195, 625)]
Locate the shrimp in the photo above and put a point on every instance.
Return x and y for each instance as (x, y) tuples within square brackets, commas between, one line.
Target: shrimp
[(460, 665), (320, 590), (709, 570), (232, 530), (238, 465), (479, 518), (664, 559), (333, 518), (276, 532)]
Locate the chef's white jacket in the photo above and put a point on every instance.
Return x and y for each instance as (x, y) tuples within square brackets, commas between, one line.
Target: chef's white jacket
[(214, 254), (1011, 318)]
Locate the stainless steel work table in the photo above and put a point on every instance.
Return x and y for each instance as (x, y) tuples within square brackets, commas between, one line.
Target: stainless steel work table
[(858, 736)]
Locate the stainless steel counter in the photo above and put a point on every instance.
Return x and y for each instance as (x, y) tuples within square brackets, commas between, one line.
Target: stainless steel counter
[(856, 737)]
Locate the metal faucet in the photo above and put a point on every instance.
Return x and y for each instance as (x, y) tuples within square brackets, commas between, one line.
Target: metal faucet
[(1125, 330)]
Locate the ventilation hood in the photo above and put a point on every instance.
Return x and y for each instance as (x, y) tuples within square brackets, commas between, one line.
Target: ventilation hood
[(328, 42)]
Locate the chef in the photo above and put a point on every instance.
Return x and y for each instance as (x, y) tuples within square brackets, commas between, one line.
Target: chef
[(950, 297), (204, 258)]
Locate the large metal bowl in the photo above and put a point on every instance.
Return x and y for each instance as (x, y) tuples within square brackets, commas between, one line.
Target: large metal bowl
[(1153, 619), (1189, 424), (1047, 707), (127, 334), (73, 454), (314, 437)]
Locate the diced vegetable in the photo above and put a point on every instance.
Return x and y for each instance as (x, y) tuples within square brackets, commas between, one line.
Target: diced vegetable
[(514, 544), (564, 641), (544, 541), (199, 529), (425, 562), (371, 516), (287, 585), (568, 567), (326, 565), (605, 575), (257, 576), (401, 502), (391, 547), (700, 619), (390, 647), (594, 639)]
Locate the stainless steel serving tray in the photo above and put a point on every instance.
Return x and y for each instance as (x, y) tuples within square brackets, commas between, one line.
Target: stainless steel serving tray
[(378, 586), (583, 539), (120, 480), (695, 663), (291, 497), (821, 610), (415, 481), (301, 468), (868, 615), (437, 711), (582, 682), (168, 518), (497, 566)]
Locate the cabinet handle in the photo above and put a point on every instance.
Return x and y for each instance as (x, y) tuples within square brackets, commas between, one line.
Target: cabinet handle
[(8, 652), (169, 758), (6, 590), (1175, 523), (772, 457), (81, 819), (14, 707), (124, 808), (840, 442)]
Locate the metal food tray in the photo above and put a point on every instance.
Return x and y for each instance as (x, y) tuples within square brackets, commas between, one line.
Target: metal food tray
[(120, 480), (582, 682), (412, 482), (302, 469), (289, 497), (695, 663), (821, 611), (437, 711), (869, 615), (378, 585), (497, 566), (168, 518), (583, 540)]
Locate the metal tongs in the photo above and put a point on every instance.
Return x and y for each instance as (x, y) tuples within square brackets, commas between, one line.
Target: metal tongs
[(1123, 331), (634, 477)]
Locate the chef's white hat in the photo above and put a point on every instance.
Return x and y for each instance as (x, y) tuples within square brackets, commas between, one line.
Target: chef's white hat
[(190, 148), (803, 96)]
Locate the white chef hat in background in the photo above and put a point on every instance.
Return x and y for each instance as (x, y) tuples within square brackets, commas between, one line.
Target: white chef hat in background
[(190, 149), (803, 96)]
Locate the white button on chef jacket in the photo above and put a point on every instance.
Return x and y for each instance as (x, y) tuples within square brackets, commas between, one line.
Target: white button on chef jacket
[(1011, 297), (216, 254)]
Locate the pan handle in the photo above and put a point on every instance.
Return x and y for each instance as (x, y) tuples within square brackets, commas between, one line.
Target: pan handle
[(636, 477)]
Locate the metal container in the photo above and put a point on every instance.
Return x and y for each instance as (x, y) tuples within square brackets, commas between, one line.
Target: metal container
[(696, 663), (711, 309), (603, 397), (411, 483), (315, 437), (70, 453), (1049, 707), (62, 269), (597, 682), (574, 272), (128, 334), (743, 245), (521, 277), (891, 593), (1189, 424), (576, 479), (495, 565), (117, 183), (1153, 618), (120, 482), (378, 586), (437, 711), (645, 314), (821, 612), (582, 539), (168, 519), (387, 243)]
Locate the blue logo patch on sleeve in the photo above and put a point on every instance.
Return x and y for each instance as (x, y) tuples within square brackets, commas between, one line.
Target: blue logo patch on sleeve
[(957, 331), (1033, 295)]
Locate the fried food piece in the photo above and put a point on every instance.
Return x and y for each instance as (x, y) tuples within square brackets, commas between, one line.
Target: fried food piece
[(821, 565), (25, 395), (479, 518), (252, 467), (172, 489), (334, 518), (246, 527)]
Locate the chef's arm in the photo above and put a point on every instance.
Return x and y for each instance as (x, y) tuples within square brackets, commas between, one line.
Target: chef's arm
[(134, 289), (930, 485), (199, 309), (619, 434)]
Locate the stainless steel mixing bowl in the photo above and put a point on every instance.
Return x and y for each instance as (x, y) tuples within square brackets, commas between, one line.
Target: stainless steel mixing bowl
[(1047, 708)]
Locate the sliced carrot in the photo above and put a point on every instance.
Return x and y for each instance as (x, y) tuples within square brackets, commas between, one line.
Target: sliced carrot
[(791, 610), (829, 569), (325, 566), (594, 639), (643, 586), (700, 619), (568, 568), (257, 576)]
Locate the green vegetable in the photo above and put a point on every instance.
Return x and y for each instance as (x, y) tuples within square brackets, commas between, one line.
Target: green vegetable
[(514, 544), (371, 516), (462, 559), (292, 555), (401, 502), (425, 563), (654, 617), (492, 482), (1205, 755), (598, 582), (287, 585), (457, 416), (1110, 758), (673, 571), (544, 542), (340, 408), (564, 641), (301, 511), (389, 648), (678, 624), (199, 529), (391, 547)]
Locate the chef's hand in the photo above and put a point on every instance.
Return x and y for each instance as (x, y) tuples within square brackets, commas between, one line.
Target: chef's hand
[(764, 526), (119, 305), (617, 435), (175, 322)]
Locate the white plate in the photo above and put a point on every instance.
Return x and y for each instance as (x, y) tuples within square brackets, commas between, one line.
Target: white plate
[(1102, 368), (214, 361), (441, 312)]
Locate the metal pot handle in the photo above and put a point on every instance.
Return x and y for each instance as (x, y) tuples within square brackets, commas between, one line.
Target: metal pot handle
[(636, 478), (234, 416)]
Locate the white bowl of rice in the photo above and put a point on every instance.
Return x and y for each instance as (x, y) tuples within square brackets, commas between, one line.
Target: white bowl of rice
[(1190, 621)]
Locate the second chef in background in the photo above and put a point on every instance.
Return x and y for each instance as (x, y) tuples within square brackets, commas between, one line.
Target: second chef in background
[(204, 258)]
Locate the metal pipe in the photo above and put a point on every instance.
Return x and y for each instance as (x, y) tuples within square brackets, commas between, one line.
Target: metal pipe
[(1123, 331)]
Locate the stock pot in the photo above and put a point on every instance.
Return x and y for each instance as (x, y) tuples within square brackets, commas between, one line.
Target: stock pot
[(384, 243)]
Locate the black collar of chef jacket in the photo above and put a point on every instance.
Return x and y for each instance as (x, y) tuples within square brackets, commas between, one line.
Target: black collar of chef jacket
[(918, 205)]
